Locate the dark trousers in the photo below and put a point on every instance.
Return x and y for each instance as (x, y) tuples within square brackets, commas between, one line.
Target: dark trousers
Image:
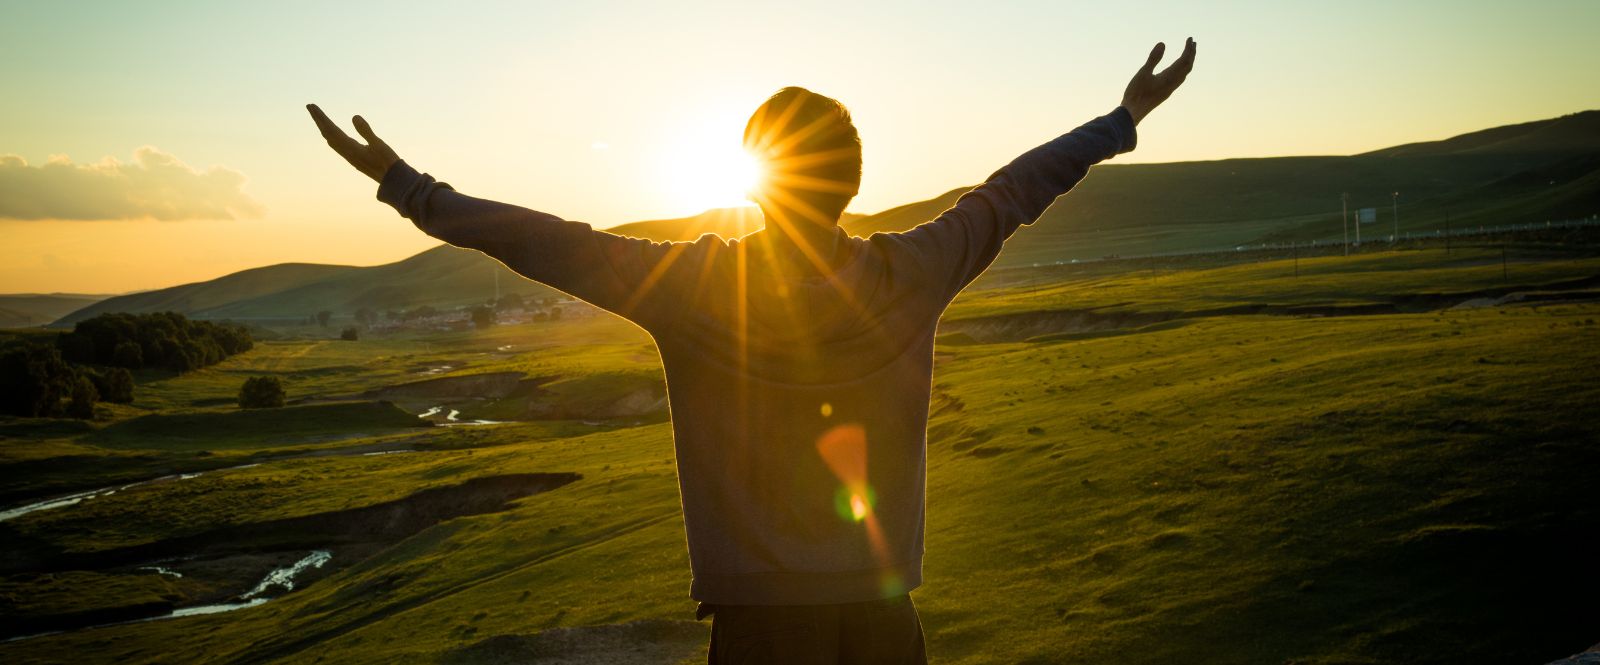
[(876, 632)]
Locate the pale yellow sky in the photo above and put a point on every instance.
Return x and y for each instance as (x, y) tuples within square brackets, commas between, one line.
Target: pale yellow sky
[(597, 112)]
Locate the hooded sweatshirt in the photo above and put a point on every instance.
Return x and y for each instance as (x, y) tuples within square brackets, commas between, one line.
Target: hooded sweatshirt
[(799, 398)]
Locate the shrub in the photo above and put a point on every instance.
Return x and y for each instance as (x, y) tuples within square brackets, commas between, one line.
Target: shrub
[(83, 398), (350, 334), (33, 380), (261, 392), (114, 384), (128, 354)]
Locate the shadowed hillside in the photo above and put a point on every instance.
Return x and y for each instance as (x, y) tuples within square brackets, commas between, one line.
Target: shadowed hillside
[(1530, 172), (36, 309), (198, 298), (725, 222), (1381, 458), (442, 276)]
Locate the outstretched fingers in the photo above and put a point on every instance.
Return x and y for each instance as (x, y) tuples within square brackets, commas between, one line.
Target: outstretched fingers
[(330, 131), (1184, 63), (366, 131), (1155, 57)]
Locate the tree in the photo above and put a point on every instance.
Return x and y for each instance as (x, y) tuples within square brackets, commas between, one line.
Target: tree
[(322, 318), (482, 317), (160, 339), (114, 384), (555, 313), (350, 334), (33, 380), (128, 354), (261, 392), (83, 398), (366, 316)]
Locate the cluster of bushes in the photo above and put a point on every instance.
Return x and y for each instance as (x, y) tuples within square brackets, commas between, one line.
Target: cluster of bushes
[(36, 382), (66, 375), (164, 339)]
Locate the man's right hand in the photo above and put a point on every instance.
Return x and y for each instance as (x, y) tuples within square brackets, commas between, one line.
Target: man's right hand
[(372, 159), (1148, 89)]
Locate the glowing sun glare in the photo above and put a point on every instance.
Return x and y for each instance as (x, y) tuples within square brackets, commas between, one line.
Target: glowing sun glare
[(709, 170)]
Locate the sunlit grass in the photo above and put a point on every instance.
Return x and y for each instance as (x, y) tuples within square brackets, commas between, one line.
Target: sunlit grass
[(1240, 489)]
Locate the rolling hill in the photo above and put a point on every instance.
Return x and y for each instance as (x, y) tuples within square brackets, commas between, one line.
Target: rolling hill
[(725, 222), (441, 277), (1534, 171), (1537, 171), (23, 310)]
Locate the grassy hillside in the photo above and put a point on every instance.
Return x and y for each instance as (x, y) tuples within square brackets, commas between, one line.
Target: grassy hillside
[(725, 222), (441, 277), (22, 310), (1405, 280), (1408, 487), (1574, 133), (196, 298), (1532, 172)]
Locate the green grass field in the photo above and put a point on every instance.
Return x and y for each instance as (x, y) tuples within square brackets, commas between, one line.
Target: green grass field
[(1410, 487)]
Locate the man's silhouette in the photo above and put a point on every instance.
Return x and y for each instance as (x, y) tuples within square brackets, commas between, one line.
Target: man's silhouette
[(799, 360)]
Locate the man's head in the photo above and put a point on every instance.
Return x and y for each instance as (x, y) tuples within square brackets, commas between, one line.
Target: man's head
[(810, 155)]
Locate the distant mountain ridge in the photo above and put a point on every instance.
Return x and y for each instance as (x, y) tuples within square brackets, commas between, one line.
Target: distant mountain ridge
[(1534, 171), (725, 222), (444, 276), (1574, 133), (23, 310)]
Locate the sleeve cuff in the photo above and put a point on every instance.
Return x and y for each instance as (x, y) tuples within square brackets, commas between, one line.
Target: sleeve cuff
[(1122, 122), (407, 191), (399, 179)]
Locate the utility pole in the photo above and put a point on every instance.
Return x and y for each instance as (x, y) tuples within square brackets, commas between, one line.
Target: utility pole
[(1394, 203), (1447, 231), (1344, 213)]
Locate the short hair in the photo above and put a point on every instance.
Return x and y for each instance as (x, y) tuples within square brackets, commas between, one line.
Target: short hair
[(810, 147)]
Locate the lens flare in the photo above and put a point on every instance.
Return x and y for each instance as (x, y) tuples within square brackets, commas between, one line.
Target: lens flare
[(858, 507)]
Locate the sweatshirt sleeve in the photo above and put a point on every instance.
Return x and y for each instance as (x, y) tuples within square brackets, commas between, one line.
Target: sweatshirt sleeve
[(620, 274), (954, 248)]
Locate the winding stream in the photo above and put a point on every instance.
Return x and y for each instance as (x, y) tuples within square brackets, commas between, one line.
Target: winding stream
[(452, 419), (74, 499), (79, 497), (279, 578)]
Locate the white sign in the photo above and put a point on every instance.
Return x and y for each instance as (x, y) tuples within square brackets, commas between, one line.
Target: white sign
[(1367, 215)]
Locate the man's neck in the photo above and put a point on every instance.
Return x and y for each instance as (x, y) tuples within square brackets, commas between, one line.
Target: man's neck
[(804, 247)]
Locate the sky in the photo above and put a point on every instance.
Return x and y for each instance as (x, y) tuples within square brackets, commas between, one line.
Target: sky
[(155, 143)]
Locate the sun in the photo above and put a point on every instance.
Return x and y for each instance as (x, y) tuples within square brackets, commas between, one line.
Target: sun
[(709, 169)]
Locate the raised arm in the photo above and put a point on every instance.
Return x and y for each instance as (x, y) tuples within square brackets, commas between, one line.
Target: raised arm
[(961, 242), (623, 275)]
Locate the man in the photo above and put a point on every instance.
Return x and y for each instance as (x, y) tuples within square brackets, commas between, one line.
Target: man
[(799, 360)]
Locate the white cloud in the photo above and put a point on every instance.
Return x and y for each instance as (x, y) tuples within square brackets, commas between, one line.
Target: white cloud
[(155, 185)]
